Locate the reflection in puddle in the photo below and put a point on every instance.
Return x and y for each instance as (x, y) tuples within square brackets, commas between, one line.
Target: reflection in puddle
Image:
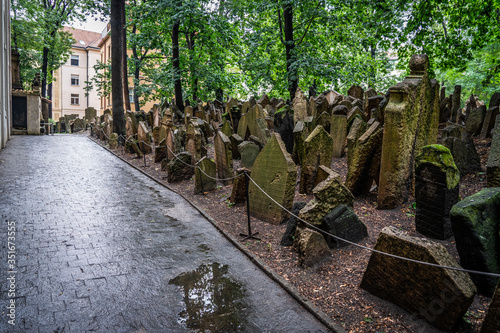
[(213, 303)]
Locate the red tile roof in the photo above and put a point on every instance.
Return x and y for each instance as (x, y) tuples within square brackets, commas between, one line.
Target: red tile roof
[(84, 38)]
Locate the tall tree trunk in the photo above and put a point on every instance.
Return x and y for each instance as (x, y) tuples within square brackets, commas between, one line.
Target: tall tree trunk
[(136, 95), (49, 96), (45, 65), (117, 7), (293, 78), (192, 68), (126, 96), (373, 50), (176, 66)]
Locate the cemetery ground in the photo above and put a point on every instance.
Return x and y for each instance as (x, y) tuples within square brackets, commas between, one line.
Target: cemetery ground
[(331, 285)]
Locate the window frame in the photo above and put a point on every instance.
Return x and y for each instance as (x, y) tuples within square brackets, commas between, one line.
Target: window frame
[(75, 99), (75, 77), (75, 57)]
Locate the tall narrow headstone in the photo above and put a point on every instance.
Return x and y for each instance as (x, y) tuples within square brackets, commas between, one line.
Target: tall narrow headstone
[(299, 106), (204, 176), (436, 191), (223, 158), (455, 103), (317, 151), (144, 138), (338, 132)]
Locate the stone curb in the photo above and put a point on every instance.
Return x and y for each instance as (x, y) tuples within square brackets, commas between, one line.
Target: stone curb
[(291, 290)]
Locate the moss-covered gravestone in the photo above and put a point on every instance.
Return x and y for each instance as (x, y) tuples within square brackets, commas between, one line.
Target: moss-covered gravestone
[(364, 160), (144, 138), (113, 141), (491, 323), (338, 131), (317, 151), (493, 165), (300, 134), (223, 158), (344, 223), (226, 128), (410, 122), (275, 173), (204, 176), (248, 152), (475, 224), (461, 146), (327, 195), (436, 191), (248, 124), (179, 168), (441, 296)]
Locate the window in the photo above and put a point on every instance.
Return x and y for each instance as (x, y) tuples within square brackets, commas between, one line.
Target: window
[(75, 99), (131, 95), (75, 60), (75, 80)]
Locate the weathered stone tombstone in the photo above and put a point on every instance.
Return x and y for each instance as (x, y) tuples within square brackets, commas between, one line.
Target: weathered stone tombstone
[(90, 113), (439, 295), (338, 132), (179, 168), (372, 103), (344, 223), (436, 191), (357, 129), (275, 173), (300, 134), (249, 124), (169, 142), (489, 122), (156, 115), (493, 164), (285, 128), (356, 92), (318, 148), (455, 103), (299, 106), (462, 148), (223, 158), (144, 138), (311, 246), (491, 323), (364, 160), (248, 152), (475, 119), (291, 225), (161, 151), (236, 140), (475, 225), (113, 141), (327, 195), (204, 176), (410, 122), (324, 119), (238, 192)]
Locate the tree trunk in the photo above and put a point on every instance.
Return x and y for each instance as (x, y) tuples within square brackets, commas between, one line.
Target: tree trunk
[(176, 66), (49, 96), (136, 95), (293, 78), (126, 96), (45, 65), (117, 7)]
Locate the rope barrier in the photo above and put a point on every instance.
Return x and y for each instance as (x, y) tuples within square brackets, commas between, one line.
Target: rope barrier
[(325, 232)]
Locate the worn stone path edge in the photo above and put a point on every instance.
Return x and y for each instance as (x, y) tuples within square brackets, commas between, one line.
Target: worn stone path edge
[(291, 290)]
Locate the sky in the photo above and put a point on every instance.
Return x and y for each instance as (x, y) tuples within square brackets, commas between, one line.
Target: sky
[(91, 25)]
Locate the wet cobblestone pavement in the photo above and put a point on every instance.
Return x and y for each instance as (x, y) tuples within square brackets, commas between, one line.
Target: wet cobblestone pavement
[(99, 247)]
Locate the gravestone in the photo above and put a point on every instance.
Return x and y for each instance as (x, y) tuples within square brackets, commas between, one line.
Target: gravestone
[(169, 142), (357, 129), (493, 164), (343, 223), (291, 225), (340, 110), (300, 134), (253, 123), (264, 101), (299, 106), (223, 158), (161, 151), (327, 195), (462, 148), (236, 140), (491, 323), (248, 152), (372, 103), (194, 142), (113, 141), (475, 225), (489, 122), (275, 173), (238, 192), (324, 119), (204, 176), (156, 115), (364, 161), (440, 296), (436, 191), (226, 128), (90, 113), (311, 246), (318, 149), (179, 168), (144, 138), (410, 122), (356, 92), (474, 121), (455, 103), (338, 132)]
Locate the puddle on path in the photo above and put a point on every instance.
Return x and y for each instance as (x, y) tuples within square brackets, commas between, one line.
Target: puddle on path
[(212, 301)]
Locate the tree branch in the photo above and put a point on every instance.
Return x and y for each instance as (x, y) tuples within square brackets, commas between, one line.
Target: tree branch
[(281, 28)]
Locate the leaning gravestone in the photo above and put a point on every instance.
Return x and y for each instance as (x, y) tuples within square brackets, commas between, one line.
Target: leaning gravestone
[(317, 151), (436, 191), (441, 296), (223, 158), (489, 122), (493, 164), (461, 146), (300, 134), (291, 225), (204, 176), (144, 138), (344, 223), (475, 225), (275, 173), (161, 151), (311, 246), (238, 192), (327, 195), (179, 168), (410, 122), (364, 161), (491, 323), (356, 92)]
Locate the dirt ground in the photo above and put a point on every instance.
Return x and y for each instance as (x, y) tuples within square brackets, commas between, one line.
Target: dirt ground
[(333, 286)]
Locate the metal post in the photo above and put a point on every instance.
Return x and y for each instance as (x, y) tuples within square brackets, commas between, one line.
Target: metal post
[(249, 235)]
